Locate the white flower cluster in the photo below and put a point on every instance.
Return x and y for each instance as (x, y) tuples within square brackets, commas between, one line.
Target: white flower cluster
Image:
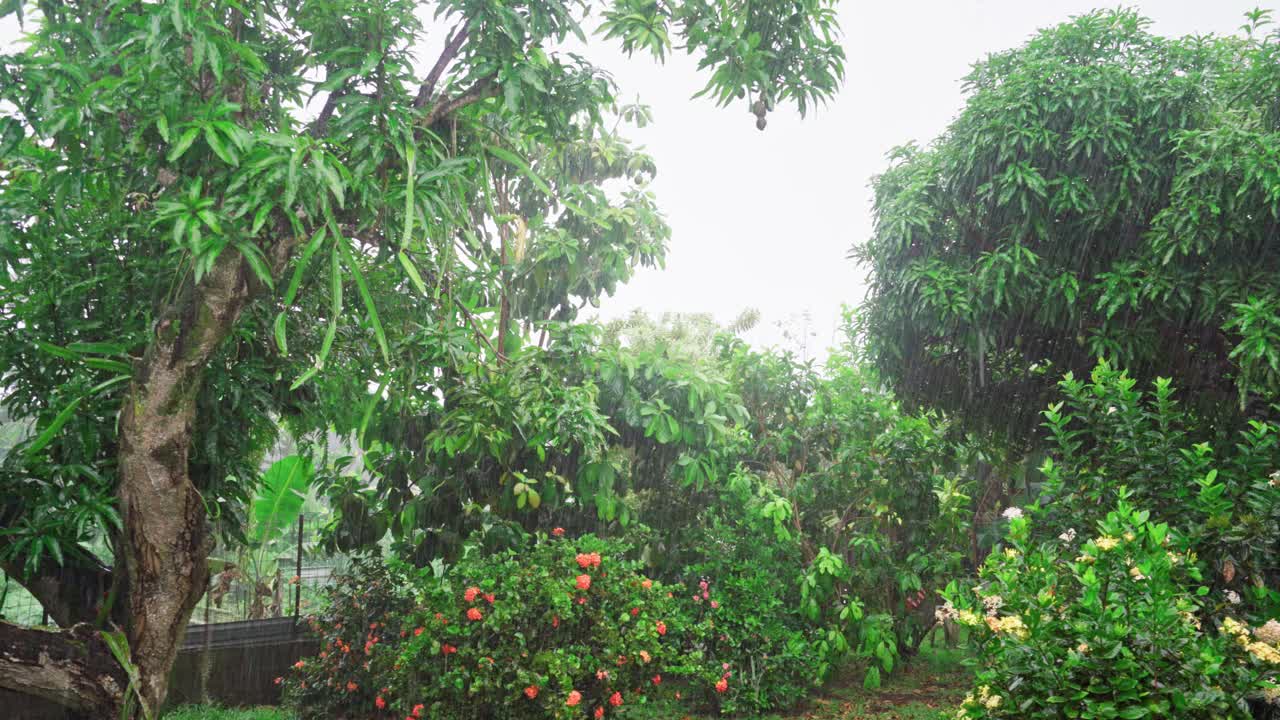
[(1012, 513), (1068, 536)]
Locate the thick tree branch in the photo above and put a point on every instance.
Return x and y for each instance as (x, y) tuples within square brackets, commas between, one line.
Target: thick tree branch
[(482, 90), (450, 52), (71, 592), (321, 125), (73, 668)]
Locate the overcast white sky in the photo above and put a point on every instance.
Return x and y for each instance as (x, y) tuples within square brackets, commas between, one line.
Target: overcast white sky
[(765, 219)]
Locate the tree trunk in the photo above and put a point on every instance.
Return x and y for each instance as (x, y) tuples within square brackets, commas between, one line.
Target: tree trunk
[(73, 668), (166, 539)]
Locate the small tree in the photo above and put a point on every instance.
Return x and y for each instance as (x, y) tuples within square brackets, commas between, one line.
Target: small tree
[(176, 173)]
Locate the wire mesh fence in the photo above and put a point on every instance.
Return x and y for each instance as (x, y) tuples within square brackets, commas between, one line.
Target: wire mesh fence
[(284, 577)]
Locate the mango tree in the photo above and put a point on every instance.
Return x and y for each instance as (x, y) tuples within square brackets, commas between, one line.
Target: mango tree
[(186, 186)]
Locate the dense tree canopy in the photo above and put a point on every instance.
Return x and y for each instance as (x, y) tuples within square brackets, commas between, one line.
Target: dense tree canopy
[(1105, 192), (208, 210)]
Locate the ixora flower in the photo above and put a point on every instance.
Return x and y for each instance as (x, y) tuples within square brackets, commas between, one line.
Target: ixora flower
[(586, 560), (657, 679), (583, 582), (352, 686), (474, 614), (380, 703), (722, 685), (615, 699), (1269, 633), (1012, 513), (417, 709), (599, 713), (531, 692), (558, 532), (574, 698), (470, 594), (1106, 542), (644, 655), (448, 649), (662, 628), (646, 583)]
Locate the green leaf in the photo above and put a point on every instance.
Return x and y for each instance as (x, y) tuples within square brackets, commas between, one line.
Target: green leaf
[(408, 198), (278, 329), (44, 438), (412, 272), (279, 499), (521, 165), (363, 289), (184, 142)]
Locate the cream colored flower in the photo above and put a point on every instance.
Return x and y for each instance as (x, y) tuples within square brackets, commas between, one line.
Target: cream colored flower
[(1136, 574), (1083, 648), (1264, 652), (967, 617), (993, 603), (1068, 536), (1269, 633), (1012, 513), (1129, 537), (1106, 542), (1011, 553)]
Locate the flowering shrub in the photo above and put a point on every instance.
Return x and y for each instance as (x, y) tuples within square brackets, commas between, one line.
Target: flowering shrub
[(364, 615), (1106, 627), (751, 645), (1219, 486), (563, 628)]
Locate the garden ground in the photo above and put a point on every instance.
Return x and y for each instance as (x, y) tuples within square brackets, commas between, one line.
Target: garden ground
[(929, 686)]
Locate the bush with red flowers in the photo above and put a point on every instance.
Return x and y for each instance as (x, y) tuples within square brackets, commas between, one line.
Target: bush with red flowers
[(365, 615), (561, 628)]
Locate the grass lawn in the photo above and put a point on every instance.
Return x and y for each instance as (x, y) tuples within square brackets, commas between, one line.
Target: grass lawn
[(209, 712)]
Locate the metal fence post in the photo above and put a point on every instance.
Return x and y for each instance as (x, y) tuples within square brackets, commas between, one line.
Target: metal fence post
[(297, 586)]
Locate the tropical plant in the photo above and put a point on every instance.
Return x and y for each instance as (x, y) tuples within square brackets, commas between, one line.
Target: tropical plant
[(1106, 192), (1108, 622), (1108, 439), (183, 240), (562, 628)]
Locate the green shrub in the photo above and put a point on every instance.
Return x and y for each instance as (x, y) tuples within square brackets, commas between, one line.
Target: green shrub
[(1106, 627), (560, 628), (746, 625), (1219, 487)]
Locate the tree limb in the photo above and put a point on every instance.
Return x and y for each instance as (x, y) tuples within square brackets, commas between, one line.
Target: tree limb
[(482, 90), (71, 592), (450, 51), (73, 668)]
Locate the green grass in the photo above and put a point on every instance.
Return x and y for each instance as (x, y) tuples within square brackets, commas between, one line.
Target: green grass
[(210, 712)]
